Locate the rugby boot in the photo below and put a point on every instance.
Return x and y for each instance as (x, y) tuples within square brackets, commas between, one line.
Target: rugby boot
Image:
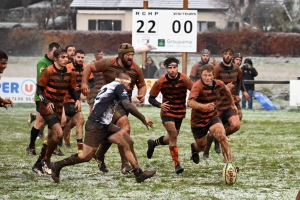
[(178, 169), (31, 151), (195, 155), (140, 176), (151, 146)]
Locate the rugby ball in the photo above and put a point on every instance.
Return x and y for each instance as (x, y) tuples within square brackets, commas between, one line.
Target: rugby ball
[(229, 174)]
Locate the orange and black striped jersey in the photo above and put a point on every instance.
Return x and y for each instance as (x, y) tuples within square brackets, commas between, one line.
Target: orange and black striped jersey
[(226, 74), (99, 82), (174, 91), (196, 70), (204, 94), (77, 72), (55, 83), (111, 71)]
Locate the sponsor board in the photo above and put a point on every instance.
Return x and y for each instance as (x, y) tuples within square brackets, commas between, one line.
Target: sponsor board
[(19, 90)]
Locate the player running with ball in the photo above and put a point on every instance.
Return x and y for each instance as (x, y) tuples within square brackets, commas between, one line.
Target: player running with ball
[(204, 116)]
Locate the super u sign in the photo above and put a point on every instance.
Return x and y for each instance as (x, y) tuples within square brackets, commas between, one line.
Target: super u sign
[(164, 30)]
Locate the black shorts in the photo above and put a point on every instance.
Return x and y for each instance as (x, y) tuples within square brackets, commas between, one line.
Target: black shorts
[(51, 120), (177, 121), (96, 133), (225, 115), (37, 106), (201, 132), (70, 109)]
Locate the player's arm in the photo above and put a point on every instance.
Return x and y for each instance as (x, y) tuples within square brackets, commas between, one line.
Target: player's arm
[(153, 94), (41, 84), (119, 90), (98, 66), (192, 103), (141, 85)]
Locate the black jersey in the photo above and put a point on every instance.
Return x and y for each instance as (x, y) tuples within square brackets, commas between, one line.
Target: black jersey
[(108, 97)]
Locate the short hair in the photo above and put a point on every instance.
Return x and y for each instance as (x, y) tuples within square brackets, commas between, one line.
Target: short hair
[(170, 60), (52, 45), (249, 61), (3, 55), (70, 45), (98, 51), (208, 67), (228, 50), (58, 52), (79, 51)]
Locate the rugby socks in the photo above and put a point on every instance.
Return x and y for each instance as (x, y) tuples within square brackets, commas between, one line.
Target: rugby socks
[(79, 145), (43, 152), (160, 141), (72, 160), (33, 135), (174, 154)]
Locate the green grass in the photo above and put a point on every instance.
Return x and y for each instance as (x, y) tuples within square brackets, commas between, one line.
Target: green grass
[(266, 149)]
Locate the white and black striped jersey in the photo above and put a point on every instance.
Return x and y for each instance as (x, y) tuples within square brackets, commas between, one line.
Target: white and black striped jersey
[(108, 97)]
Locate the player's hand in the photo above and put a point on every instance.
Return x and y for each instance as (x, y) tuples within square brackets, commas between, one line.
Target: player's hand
[(210, 107), (78, 105), (230, 86), (148, 123), (50, 107), (77, 88), (141, 98), (236, 99), (246, 95), (165, 106), (85, 89)]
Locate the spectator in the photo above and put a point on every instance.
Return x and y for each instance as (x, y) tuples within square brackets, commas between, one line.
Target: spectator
[(161, 71), (249, 72), (149, 68)]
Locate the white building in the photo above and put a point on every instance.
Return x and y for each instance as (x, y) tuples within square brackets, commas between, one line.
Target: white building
[(116, 15)]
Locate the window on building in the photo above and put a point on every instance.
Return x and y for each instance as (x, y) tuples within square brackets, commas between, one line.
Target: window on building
[(107, 25), (205, 26), (233, 25)]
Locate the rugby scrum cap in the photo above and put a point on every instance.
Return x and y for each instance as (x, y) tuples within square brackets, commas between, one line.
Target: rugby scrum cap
[(205, 51), (125, 48), (237, 55)]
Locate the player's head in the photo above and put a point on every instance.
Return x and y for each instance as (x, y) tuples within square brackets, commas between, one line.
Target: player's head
[(227, 55), (98, 54), (207, 74), (124, 79), (171, 65), (51, 48), (237, 59), (126, 53), (3, 61), (205, 56), (60, 57), (71, 51), (79, 56)]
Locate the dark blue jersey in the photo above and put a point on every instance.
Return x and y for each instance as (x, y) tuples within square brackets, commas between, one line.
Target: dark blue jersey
[(108, 97)]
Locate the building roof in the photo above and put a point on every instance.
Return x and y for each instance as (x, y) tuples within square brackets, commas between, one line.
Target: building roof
[(152, 4)]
